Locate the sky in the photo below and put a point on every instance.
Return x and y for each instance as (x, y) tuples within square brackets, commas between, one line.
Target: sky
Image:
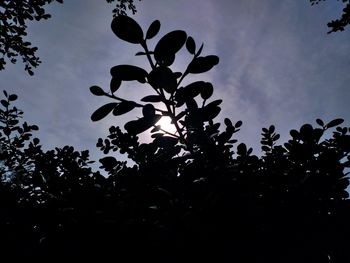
[(277, 65)]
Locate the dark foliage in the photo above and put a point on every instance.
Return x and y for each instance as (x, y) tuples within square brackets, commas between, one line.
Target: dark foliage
[(340, 23), (14, 16), (122, 6), (194, 194)]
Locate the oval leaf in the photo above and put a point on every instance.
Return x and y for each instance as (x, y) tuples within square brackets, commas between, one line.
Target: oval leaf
[(241, 149), (168, 45), (294, 133), (190, 91), (191, 45), (4, 103), (129, 72), (334, 123), (207, 91), (199, 50), (214, 103), (103, 111), (141, 125), (127, 29), (152, 98), (13, 97), (153, 29), (209, 113), (115, 84), (163, 78), (148, 110), (97, 91), (202, 64), (211, 110), (124, 107), (320, 122), (228, 122), (238, 124)]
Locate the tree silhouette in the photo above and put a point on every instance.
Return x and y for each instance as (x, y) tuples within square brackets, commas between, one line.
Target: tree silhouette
[(192, 194), (14, 16), (340, 23)]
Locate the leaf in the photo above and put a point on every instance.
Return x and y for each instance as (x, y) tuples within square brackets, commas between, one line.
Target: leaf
[(211, 110), (191, 105), (129, 72), (189, 92), (207, 91), (191, 45), (97, 91), (163, 78), (294, 134), (153, 29), (34, 127), (320, 122), (334, 123), (103, 111), (214, 103), (124, 107), (306, 131), (152, 98), (148, 111), (199, 50), (250, 150), (209, 113), (228, 122), (241, 149), (276, 138), (202, 64), (127, 29), (140, 53), (142, 124), (13, 97), (168, 46), (238, 124), (7, 131), (115, 84), (4, 103)]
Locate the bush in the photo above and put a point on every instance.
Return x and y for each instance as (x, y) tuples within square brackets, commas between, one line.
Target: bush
[(192, 194)]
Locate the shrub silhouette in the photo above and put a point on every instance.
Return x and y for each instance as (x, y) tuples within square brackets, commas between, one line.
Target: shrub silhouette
[(192, 194)]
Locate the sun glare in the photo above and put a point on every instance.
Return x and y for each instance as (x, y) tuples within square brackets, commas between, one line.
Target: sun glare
[(165, 124)]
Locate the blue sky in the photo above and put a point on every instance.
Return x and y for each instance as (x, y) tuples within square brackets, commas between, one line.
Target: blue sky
[(277, 65)]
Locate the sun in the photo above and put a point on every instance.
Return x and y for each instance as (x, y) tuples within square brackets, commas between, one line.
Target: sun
[(166, 125)]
